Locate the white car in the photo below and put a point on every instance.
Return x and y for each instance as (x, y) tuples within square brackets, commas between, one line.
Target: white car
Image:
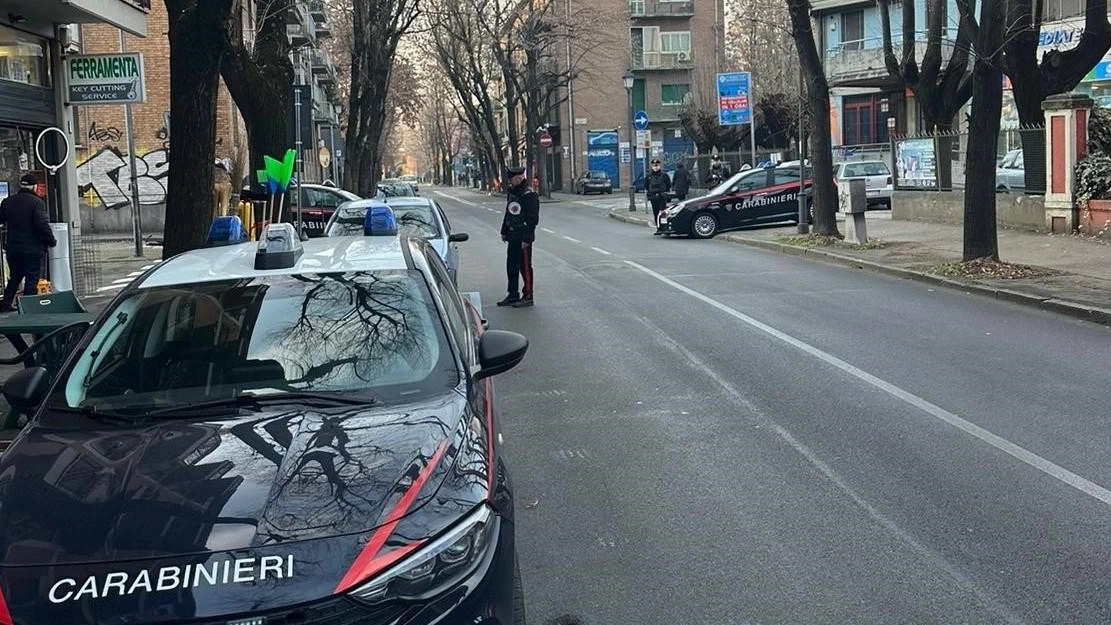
[(1010, 176), (878, 183)]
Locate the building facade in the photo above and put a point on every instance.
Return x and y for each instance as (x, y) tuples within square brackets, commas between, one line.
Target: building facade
[(674, 49)]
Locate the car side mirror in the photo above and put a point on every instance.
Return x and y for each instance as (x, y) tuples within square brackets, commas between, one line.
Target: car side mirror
[(499, 351), (458, 237), (26, 388)]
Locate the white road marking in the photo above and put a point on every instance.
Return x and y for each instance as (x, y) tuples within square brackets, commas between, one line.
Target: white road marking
[(456, 199), (548, 231), (601, 251), (121, 280), (571, 239), (492, 210), (1016, 451), (112, 287)]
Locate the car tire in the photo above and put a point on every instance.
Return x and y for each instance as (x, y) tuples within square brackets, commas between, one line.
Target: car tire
[(519, 617), (704, 225)]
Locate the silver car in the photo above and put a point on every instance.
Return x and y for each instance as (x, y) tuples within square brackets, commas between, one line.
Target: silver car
[(1010, 176), (416, 216), (878, 184)]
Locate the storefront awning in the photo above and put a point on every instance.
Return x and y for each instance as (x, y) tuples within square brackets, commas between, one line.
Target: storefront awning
[(127, 15)]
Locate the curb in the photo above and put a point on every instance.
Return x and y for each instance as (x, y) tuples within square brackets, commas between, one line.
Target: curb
[(1075, 310)]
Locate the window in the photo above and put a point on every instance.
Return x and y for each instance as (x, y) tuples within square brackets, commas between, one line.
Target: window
[(454, 308), (360, 332), (1063, 9), (863, 119), (24, 58), (412, 219), (674, 95), (786, 175), (858, 170), (750, 180), (852, 30), (671, 43)]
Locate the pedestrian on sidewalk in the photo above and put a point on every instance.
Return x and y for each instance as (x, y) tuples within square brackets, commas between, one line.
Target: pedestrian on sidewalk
[(28, 236), (221, 188), (682, 182), (518, 230), (657, 186)]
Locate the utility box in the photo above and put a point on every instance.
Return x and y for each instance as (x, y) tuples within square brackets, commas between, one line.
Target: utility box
[(58, 259), (853, 200)]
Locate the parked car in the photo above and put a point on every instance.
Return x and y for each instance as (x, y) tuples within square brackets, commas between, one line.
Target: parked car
[(1010, 176), (751, 197), (318, 202), (413, 180), (416, 216), (593, 182), (395, 187), (878, 184)]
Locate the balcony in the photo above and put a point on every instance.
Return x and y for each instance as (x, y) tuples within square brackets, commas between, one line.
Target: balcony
[(643, 9), (322, 66), (323, 30), (317, 11), (860, 63), (324, 112), (300, 36), (662, 61)]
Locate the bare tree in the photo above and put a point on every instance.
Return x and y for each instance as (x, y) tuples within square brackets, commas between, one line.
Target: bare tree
[(258, 74), (817, 99), (196, 49), (377, 28), (987, 109)]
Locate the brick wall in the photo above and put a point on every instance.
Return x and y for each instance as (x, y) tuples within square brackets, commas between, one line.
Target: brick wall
[(102, 145)]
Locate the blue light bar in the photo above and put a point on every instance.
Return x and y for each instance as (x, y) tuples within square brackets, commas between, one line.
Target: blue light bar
[(227, 230), (279, 247), (380, 221)]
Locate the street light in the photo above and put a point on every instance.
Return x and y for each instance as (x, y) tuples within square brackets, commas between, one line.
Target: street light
[(629, 79)]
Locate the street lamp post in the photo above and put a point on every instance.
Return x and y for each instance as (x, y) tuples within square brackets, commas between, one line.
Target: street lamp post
[(628, 79)]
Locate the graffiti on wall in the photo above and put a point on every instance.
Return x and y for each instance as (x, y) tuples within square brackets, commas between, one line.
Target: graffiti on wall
[(103, 134), (107, 176)]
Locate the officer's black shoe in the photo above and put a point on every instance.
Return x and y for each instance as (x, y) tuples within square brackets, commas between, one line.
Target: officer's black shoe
[(522, 303), (509, 300)]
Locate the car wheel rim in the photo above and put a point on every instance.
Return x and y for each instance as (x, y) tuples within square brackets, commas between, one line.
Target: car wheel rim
[(704, 225)]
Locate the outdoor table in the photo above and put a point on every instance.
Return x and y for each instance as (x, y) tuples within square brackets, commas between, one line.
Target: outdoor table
[(15, 325)]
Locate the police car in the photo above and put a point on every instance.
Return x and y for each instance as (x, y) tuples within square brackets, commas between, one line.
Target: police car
[(751, 197), (287, 432)]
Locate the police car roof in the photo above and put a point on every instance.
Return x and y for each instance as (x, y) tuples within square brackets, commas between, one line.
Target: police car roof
[(321, 255)]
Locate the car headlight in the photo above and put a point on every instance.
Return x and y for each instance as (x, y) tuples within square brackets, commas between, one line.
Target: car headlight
[(437, 566), (674, 210)]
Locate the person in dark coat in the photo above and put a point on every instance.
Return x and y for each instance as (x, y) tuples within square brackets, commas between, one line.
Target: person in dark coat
[(518, 230), (681, 184), (657, 185), (28, 237)]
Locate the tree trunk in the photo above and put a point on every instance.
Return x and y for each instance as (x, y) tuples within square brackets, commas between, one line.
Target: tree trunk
[(817, 98), (196, 45), (983, 137)]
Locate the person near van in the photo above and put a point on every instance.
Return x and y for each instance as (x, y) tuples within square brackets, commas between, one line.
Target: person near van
[(28, 237)]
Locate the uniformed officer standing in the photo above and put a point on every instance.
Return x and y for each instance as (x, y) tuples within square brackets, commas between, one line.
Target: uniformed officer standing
[(518, 230)]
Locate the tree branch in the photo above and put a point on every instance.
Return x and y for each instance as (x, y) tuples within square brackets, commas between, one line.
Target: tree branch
[(889, 58)]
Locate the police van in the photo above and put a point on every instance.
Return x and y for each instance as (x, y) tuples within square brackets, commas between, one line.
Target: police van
[(276, 432)]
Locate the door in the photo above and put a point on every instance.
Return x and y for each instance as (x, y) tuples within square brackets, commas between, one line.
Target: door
[(737, 205), (783, 197)]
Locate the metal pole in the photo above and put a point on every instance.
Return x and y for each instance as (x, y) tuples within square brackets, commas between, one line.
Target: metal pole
[(632, 153), (803, 226), (297, 143), (571, 103), (136, 215), (332, 148)]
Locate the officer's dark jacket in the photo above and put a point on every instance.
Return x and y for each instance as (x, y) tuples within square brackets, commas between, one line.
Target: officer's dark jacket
[(657, 185), (682, 181), (28, 229), (522, 213)]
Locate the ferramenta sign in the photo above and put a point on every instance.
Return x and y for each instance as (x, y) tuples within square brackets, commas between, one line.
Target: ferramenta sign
[(106, 78)]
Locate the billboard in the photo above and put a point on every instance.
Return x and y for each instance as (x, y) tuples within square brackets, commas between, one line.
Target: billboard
[(734, 98)]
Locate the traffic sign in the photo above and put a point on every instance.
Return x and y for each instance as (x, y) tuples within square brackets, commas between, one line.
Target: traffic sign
[(644, 139), (545, 140), (640, 120), (734, 98)]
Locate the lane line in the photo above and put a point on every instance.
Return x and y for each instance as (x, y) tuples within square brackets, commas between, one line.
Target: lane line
[(601, 251), (456, 199), (1016, 451), (548, 231), (573, 240)]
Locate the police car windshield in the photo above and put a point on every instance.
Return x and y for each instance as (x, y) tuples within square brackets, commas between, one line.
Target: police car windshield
[(413, 219), (375, 333)]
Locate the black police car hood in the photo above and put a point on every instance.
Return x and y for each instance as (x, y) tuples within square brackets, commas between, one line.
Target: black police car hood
[(252, 501)]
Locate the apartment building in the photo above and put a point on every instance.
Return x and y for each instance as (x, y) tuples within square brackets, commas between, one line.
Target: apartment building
[(674, 48)]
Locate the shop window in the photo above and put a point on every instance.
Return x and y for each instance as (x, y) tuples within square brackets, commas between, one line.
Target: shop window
[(24, 58)]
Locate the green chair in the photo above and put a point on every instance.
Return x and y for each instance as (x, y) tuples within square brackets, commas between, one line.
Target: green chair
[(51, 303)]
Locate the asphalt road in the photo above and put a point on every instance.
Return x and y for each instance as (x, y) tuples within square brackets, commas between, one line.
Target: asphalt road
[(708, 433)]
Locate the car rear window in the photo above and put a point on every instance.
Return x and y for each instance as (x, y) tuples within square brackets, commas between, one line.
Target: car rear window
[(412, 219), (598, 175), (853, 170), (354, 333)]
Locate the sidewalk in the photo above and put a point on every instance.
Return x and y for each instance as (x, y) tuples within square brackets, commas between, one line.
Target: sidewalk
[(1068, 274)]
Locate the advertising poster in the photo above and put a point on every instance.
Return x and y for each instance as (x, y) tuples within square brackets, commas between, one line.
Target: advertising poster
[(916, 164)]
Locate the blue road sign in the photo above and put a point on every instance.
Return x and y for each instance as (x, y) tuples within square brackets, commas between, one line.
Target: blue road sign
[(734, 98), (640, 120)]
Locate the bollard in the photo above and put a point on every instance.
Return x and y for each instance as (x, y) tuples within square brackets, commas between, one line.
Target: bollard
[(853, 200)]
